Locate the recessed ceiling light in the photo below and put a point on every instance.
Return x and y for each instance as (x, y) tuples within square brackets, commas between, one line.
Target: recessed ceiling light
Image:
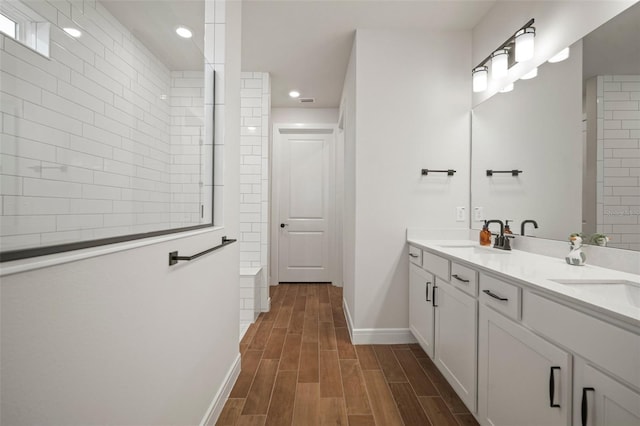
[(184, 32), (560, 56), (73, 32), (531, 74), (251, 128), (294, 93)]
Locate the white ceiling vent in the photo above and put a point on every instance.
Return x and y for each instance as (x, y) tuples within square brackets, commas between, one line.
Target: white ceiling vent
[(306, 100)]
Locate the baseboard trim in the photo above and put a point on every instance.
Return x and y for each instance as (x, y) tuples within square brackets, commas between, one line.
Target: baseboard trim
[(382, 336), (243, 329), (217, 404), (347, 315), (376, 336)]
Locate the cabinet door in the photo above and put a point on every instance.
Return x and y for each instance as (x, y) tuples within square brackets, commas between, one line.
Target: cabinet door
[(421, 307), (523, 379), (603, 401), (456, 340)]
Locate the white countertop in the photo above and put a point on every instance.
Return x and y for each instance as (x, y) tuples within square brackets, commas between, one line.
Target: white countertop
[(537, 271)]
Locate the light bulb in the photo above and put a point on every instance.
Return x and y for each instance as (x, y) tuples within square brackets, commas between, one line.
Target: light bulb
[(480, 79), (560, 56), (531, 74), (499, 64), (525, 44)]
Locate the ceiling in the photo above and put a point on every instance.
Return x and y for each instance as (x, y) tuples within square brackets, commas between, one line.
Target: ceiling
[(614, 47), (153, 22), (305, 44)]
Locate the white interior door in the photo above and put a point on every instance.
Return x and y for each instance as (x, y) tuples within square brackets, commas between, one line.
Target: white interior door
[(305, 186)]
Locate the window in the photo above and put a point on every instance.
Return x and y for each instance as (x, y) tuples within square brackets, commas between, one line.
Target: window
[(25, 26), (7, 26)]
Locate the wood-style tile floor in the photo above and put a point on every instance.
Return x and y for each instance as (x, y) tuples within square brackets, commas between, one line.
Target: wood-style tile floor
[(300, 368)]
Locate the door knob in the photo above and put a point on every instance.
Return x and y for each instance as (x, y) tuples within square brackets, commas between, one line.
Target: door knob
[(282, 225)]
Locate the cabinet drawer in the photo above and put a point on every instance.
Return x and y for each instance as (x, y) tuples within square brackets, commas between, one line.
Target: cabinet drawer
[(466, 279), (437, 265), (610, 347), (501, 296), (415, 255)]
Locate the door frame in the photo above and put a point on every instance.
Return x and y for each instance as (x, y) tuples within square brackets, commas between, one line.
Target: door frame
[(278, 130)]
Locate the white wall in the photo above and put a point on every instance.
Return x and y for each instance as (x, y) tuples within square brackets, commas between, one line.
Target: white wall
[(536, 128), (349, 124), (304, 115), (255, 101), (558, 24), (412, 95), (124, 338)]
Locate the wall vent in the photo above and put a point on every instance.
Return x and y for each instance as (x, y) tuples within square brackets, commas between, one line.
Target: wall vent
[(307, 100)]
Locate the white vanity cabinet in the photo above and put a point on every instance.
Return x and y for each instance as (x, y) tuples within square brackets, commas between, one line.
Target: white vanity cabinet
[(600, 400), (456, 340), (421, 309), (444, 320), (523, 379), (516, 351)]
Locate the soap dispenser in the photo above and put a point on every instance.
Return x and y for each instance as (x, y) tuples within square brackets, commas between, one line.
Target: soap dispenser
[(507, 230), (485, 235)]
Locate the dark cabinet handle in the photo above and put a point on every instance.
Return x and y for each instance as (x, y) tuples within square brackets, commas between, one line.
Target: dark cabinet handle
[(426, 296), (433, 296), (584, 408), (413, 255), (552, 387), (282, 225), (495, 296), (459, 279)]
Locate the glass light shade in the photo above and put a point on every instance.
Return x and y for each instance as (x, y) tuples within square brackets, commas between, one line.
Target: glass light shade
[(507, 88), (531, 74), (480, 75), (500, 63), (525, 44), (560, 56)]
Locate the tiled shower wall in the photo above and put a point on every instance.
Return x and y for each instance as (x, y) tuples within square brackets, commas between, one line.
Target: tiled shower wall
[(86, 150), (618, 164), (255, 104)]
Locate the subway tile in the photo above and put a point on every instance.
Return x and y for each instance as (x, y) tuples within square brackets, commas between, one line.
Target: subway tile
[(30, 130), (51, 188), (23, 70), (80, 97), (26, 148), (19, 166), (72, 109), (51, 118), (15, 86), (61, 172), (79, 221), (19, 225), (56, 69), (11, 185)]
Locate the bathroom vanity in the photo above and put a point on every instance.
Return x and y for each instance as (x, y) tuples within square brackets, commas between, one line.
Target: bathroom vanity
[(525, 338)]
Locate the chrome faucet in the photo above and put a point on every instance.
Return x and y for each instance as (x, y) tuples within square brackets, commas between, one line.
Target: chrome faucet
[(524, 222)]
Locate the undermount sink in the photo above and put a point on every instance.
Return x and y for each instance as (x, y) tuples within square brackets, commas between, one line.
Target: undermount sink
[(617, 291)]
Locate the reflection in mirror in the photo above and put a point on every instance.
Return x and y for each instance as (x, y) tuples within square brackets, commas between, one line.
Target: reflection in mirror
[(577, 144), (107, 137)]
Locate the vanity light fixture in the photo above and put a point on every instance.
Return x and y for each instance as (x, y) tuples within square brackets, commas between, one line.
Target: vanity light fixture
[(294, 94), (184, 32), (506, 89), (525, 44), (531, 74), (73, 32), (521, 42), (560, 56), (499, 64), (480, 79)]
